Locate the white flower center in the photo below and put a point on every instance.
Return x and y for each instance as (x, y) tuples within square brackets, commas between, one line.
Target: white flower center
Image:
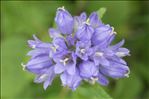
[(93, 80), (61, 8), (53, 48), (64, 61), (87, 21), (99, 54), (82, 51), (33, 46), (24, 66), (113, 32)]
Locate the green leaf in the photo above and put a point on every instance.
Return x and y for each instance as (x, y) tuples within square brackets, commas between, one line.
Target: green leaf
[(101, 12)]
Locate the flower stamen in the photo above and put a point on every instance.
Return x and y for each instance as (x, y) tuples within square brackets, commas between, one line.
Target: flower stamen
[(82, 51), (53, 48), (23, 66), (113, 32), (64, 61), (61, 8), (33, 46), (87, 21), (93, 80), (98, 54)]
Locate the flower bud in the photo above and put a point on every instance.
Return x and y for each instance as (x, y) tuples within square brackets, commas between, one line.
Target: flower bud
[(64, 21)]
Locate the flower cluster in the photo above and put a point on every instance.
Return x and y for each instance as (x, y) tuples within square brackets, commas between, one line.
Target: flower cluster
[(80, 50)]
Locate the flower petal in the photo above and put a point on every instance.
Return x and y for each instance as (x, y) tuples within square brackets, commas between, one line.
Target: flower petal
[(54, 33), (41, 78), (79, 20), (101, 34), (115, 70), (39, 62), (83, 49), (118, 45), (71, 68), (59, 68), (38, 52), (101, 60), (102, 79), (121, 52), (94, 20), (88, 69), (50, 78), (72, 81), (85, 32), (59, 44), (83, 16)]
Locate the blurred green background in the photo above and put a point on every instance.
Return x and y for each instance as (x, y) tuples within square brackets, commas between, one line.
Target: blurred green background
[(21, 19)]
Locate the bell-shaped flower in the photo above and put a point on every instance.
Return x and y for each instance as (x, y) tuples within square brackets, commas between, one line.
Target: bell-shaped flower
[(94, 20), (99, 56), (36, 43), (80, 49), (118, 50), (71, 40), (59, 44), (72, 81), (103, 35), (64, 21), (79, 20), (38, 64), (115, 70), (46, 77), (101, 79), (85, 32), (90, 72), (54, 33), (88, 69), (65, 62)]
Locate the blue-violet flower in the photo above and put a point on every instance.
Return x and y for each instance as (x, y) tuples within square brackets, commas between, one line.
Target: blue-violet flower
[(80, 50)]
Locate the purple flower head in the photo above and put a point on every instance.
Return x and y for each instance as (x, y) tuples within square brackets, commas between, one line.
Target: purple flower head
[(80, 50)]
